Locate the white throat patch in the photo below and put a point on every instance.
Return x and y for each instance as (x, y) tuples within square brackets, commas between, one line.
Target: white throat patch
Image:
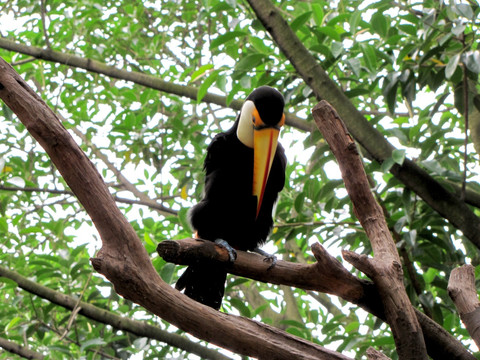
[(245, 124)]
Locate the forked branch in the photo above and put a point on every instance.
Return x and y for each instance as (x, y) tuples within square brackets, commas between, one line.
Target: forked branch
[(123, 259)]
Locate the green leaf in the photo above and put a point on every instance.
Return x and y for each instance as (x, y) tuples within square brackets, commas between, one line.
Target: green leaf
[(203, 89), (299, 201), (240, 306), (203, 70), (11, 324), (300, 20), (379, 24), (91, 343), (398, 156), (250, 62), (369, 56), (318, 14), (473, 62), (464, 10), (355, 65), (167, 272), (452, 66), (229, 36), (330, 32), (355, 18), (149, 244), (337, 48)]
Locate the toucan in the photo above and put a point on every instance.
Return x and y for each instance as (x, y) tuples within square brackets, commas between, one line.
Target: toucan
[(244, 172)]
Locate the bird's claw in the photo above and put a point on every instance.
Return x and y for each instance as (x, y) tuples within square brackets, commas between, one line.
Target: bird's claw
[(232, 254), (268, 257)]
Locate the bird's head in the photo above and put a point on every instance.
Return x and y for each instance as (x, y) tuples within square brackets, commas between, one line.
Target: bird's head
[(260, 121)]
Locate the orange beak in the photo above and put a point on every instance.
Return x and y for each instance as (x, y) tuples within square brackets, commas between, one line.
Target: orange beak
[(265, 142)]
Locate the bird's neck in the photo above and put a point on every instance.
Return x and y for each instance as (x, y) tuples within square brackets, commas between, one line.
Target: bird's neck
[(245, 127)]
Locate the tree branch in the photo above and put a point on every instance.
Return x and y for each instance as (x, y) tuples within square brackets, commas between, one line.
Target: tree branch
[(373, 354), (385, 267), (144, 199), (123, 259), (136, 77), (462, 290), (433, 193), (139, 328), (23, 351), (326, 275), (151, 204)]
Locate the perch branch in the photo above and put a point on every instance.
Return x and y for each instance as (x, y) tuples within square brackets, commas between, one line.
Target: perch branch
[(123, 259), (385, 267), (462, 290), (327, 275)]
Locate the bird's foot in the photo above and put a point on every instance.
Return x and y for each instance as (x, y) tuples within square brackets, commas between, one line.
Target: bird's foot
[(268, 257), (232, 254)]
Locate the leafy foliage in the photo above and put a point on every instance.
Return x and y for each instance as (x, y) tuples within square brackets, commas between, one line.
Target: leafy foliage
[(403, 65)]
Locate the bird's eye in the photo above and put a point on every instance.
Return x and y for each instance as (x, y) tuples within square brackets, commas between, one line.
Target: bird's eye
[(253, 120)]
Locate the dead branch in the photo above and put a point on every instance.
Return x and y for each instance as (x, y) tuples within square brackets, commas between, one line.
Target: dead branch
[(123, 259), (462, 290), (385, 267)]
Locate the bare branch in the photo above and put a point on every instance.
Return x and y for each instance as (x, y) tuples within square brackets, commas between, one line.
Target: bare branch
[(327, 275), (150, 203), (385, 268), (462, 290)]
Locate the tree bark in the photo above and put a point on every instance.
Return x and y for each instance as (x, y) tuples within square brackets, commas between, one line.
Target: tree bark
[(462, 290), (327, 275), (385, 267), (123, 259), (23, 351), (373, 354), (418, 180)]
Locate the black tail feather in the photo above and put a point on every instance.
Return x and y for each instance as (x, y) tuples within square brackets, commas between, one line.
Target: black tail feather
[(204, 282)]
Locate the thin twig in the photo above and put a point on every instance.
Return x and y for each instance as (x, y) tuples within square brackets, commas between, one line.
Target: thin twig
[(44, 23)]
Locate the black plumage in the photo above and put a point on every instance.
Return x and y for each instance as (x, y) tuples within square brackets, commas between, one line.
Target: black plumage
[(228, 209)]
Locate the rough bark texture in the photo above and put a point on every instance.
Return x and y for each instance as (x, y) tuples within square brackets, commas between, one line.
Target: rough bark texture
[(385, 267), (461, 288), (373, 354), (433, 193), (123, 259), (327, 275)]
